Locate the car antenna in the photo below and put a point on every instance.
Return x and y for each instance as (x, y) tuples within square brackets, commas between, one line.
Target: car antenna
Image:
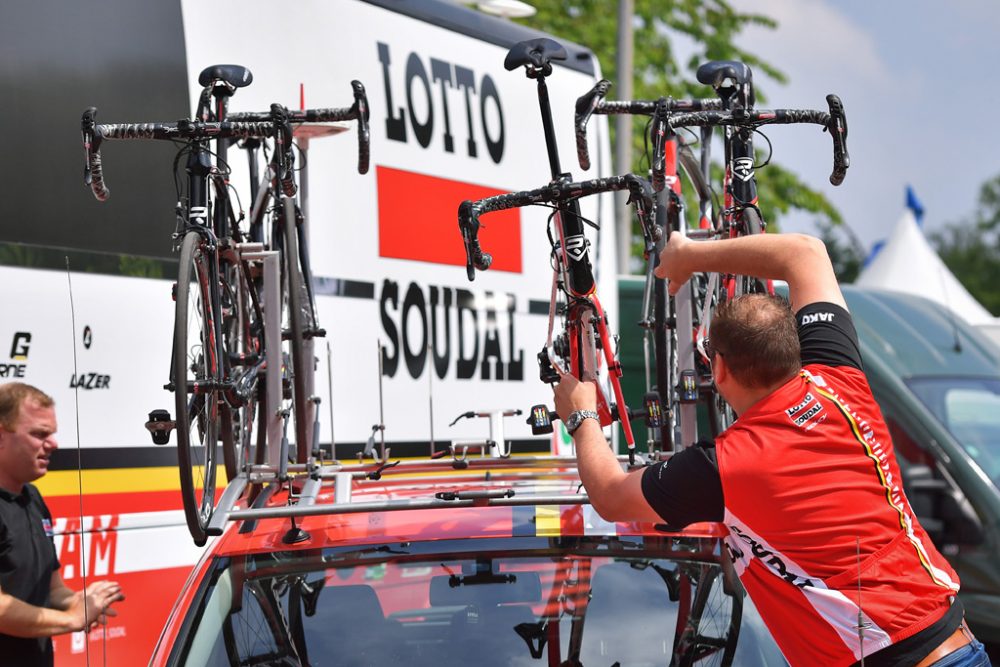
[(949, 313), (329, 382), (862, 624), (430, 390), (79, 454)]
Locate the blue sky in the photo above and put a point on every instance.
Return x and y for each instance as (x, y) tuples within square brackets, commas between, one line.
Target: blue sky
[(920, 84)]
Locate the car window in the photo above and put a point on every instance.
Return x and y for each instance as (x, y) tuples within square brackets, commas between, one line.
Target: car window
[(483, 609), (970, 409)]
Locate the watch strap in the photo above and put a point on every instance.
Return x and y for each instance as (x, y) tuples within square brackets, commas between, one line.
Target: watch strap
[(577, 417)]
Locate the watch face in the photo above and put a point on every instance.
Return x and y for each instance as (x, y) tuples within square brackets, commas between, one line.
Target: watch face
[(574, 421)]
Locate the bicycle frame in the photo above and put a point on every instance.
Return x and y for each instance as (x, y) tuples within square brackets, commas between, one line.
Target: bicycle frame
[(584, 314)]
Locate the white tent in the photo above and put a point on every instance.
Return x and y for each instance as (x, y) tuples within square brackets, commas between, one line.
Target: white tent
[(907, 263)]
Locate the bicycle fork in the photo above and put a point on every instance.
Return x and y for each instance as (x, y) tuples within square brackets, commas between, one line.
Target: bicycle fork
[(585, 334)]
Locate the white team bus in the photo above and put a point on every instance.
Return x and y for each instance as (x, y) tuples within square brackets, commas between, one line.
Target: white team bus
[(85, 287)]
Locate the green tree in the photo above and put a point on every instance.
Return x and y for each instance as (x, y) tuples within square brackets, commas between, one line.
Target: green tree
[(709, 29), (971, 248), (847, 255)]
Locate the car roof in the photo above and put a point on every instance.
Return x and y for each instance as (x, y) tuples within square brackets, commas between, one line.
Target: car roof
[(423, 499), (917, 337)]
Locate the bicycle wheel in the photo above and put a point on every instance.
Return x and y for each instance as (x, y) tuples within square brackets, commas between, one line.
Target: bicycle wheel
[(294, 300), (195, 370), (713, 625)]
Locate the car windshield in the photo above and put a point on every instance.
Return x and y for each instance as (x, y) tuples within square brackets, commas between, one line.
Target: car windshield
[(970, 409), (529, 601)]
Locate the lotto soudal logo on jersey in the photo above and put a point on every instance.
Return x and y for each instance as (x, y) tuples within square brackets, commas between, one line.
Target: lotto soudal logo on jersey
[(743, 168), (792, 411), (808, 414), (808, 408), (576, 247), (438, 102), (47, 527), (812, 318)]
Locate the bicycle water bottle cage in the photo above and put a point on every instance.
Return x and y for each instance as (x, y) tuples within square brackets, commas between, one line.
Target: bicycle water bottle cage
[(729, 78), (536, 54), (236, 76)]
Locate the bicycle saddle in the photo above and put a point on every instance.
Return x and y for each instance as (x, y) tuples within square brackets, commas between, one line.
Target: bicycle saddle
[(236, 76), (715, 73), (535, 52), (726, 75)]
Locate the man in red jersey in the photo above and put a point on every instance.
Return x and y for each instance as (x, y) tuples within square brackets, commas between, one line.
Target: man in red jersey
[(803, 479)]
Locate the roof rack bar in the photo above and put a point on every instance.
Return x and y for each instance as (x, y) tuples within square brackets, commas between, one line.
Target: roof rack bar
[(310, 490), (232, 493), (266, 472), (406, 504), (342, 488)]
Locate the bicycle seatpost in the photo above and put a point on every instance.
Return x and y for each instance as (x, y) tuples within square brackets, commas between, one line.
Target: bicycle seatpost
[(536, 56), (547, 125)]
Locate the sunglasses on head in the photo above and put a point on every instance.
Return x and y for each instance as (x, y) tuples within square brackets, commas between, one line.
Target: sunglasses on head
[(710, 350)]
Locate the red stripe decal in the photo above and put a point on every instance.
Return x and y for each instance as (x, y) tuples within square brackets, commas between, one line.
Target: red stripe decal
[(418, 220)]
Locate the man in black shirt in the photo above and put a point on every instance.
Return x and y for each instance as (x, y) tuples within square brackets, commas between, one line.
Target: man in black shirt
[(35, 603)]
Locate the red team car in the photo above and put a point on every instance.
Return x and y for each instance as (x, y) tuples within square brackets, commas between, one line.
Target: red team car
[(459, 560)]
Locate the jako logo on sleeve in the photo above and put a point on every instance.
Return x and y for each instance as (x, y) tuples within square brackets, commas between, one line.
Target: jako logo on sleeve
[(817, 317)]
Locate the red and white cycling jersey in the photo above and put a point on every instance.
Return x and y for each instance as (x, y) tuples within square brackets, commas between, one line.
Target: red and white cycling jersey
[(809, 478), (821, 533)]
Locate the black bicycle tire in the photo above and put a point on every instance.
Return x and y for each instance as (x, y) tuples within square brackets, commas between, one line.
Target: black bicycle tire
[(701, 599), (197, 510), (292, 283)]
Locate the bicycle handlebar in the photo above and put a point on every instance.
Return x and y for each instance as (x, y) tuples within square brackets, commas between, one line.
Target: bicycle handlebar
[(359, 111), (834, 121), (555, 192), (593, 102), (94, 134)]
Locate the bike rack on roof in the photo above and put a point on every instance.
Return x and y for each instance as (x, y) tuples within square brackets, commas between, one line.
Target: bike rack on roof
[(312, 476)]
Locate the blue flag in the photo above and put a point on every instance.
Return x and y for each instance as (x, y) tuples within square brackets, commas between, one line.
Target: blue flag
[(914, 205)]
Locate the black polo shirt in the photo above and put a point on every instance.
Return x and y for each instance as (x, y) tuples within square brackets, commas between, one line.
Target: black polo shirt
[(27, 561)]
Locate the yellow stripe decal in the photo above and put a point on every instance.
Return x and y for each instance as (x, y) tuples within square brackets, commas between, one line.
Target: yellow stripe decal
[(116, 480), (547, 521), (885, 484)]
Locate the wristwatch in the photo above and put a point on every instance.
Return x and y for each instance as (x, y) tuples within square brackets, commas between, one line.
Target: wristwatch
[(576, 418)]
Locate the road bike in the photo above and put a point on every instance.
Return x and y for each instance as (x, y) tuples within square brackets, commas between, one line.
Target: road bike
[(674, 394), (218, 339), (740, 215), (220, 342), (583, 340)]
